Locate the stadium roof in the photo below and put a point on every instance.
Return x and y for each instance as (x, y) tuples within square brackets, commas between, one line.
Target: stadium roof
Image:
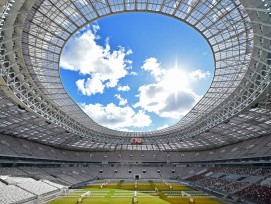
[(236, 106)]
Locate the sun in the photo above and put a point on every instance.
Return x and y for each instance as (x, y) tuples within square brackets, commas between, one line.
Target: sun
[(176, 80)]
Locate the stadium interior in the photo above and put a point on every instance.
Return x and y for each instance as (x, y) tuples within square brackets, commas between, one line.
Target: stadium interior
[(52, 152)]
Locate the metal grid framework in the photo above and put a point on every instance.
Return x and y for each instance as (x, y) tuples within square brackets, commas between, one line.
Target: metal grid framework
[(33, 34)]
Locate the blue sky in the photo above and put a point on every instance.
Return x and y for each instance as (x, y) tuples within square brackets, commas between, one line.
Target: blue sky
[(136, 71)]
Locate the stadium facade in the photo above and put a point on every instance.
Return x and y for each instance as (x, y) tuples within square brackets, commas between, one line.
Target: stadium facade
[(41, 125)]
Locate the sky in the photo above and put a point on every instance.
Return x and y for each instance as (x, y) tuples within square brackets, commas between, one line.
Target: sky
[(136, 71)]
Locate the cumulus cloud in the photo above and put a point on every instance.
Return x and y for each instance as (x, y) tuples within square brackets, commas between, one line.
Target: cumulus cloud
[(157, 99), (199, 74), (162, 127), (103, 66), (170, 96), (116, 117), (96, 28), (133, 73), (124, 88), (122, 101), (152, 65), (90, 86), (180, 102), (125, 130)]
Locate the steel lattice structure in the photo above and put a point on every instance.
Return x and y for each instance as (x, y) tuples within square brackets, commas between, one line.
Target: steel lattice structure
[(33, 34)]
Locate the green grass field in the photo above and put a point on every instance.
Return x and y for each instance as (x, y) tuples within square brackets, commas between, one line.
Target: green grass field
[(121, 192)]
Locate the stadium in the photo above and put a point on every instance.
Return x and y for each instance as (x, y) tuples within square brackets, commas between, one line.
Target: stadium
[(53, 152)]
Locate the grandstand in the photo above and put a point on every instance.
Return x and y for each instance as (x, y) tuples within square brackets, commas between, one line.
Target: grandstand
[(52, 152)]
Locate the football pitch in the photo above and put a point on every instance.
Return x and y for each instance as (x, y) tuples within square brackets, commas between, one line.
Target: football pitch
[(127, 191)]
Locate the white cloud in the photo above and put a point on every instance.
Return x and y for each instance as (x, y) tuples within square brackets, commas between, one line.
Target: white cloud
[(129, 52), (125, 130), (133, 73), (116, 117), (124, 88), (105, 66), (90, 86), (122, 100), (170, 96), (199, 74), (152, 65), (171, 104), (96, 28), (162, 127)]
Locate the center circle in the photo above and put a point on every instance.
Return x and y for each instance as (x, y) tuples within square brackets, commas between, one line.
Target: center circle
[(136, 71)]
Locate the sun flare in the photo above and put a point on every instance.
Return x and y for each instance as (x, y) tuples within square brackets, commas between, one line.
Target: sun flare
[(176, 79)]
